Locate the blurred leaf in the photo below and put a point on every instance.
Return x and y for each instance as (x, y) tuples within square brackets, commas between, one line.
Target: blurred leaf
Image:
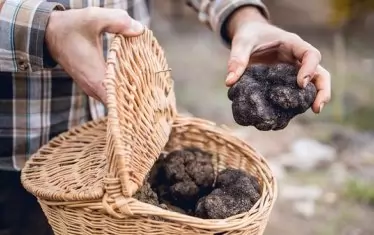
[(341, 11), (360, 191), (344, 11)]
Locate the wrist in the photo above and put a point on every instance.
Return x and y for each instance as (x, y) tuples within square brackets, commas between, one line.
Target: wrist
[(49, 30), (242, 16), (48, 59)]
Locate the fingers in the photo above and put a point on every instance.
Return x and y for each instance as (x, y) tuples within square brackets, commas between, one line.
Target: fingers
[(239, 58), (91, 75), (308, 56), (100, 20), (309, 59), (322, 81), (95, 87), (97, 76), (116, 21), (309, 64), (284, 47)]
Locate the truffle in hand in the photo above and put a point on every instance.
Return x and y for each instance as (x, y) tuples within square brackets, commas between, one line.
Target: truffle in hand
[(235, 192), (268, 97)]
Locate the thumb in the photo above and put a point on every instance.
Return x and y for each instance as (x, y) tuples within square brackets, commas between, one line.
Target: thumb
[(118, 21), (239, 59)]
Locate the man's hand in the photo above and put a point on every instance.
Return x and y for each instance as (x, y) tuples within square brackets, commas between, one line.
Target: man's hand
[(73, 38), (254, 40)]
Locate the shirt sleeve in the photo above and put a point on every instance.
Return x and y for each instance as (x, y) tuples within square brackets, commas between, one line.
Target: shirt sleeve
[(215, 13), (22, 26)]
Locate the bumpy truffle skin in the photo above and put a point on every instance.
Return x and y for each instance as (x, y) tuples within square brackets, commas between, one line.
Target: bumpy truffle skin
[(268, 97), (146, 194), (235, 192), (185, 176)]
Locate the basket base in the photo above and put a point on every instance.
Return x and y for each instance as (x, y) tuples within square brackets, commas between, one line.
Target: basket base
[(74, 221)]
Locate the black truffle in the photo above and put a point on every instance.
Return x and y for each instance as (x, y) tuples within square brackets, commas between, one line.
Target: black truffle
[(268, 97), (235, 192), (146, 194), (183, 177)]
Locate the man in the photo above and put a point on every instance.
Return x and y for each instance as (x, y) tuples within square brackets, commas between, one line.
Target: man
[(52, 56)]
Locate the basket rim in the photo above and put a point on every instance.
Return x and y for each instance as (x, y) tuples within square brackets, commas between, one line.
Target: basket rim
[(120, 158), (238, 142), (70, 196)]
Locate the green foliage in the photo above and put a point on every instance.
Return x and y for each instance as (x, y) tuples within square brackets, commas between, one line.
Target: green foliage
[(361, 118), (360, 191)]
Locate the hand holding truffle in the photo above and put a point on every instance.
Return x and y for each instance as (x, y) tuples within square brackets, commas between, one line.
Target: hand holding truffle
[(268, 97), (254, 40)]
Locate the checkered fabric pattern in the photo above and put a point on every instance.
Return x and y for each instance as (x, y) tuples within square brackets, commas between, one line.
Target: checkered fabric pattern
[(38, 100)]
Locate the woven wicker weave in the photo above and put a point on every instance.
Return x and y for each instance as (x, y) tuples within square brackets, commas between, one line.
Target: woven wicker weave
[(84, 179)]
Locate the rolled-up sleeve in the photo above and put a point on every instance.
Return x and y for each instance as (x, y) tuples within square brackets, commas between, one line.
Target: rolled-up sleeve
[(216, 12), (22, 25)]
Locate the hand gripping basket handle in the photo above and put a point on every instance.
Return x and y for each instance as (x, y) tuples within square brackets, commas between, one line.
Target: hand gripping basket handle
[(141, 109)]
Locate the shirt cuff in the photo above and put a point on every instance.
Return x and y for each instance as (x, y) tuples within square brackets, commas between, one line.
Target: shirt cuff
[(25, 22), (220, 11)]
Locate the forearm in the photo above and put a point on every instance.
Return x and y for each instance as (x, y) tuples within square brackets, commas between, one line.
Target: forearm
[(220, 15), (23, 25), (238, 17)]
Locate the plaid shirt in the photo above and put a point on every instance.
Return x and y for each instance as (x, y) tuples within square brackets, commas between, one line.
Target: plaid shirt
[(38, 100)]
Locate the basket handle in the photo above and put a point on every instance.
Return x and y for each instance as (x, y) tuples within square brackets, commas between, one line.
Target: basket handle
[(141, 109)]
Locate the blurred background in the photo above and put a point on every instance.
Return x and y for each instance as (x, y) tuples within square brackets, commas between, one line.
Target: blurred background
[(324, 163)]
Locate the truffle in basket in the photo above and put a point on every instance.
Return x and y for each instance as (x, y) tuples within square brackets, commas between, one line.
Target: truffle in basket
[(235, 192), (184, 181), (183, 176), (268, 97)]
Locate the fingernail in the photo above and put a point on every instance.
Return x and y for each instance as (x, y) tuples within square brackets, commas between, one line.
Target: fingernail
[(306, 80), (321, 107), (307, 77), (230, 77), (136, 26)]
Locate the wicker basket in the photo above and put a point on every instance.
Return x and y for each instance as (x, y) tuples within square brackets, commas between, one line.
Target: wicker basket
[(84, 179)]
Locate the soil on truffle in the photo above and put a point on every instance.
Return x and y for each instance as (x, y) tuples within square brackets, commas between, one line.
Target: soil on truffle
[(146, 194), (184, 181), (268, 96)]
